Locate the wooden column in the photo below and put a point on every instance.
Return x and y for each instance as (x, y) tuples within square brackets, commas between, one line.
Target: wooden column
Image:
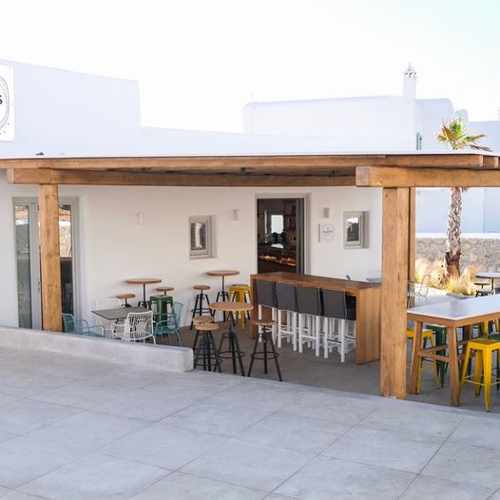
[(50, 262), (412, 233), (395, 229)]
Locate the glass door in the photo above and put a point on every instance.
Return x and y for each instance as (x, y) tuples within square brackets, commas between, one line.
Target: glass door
[(28, 260)]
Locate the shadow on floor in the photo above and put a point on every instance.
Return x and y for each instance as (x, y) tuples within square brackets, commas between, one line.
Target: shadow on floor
[(307, 369)]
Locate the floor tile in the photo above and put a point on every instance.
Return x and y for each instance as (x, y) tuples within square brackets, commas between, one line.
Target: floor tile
[(96, 477), (478, 431), (294, 432), (326, 478), (419, 424), (250, 466), (179, 486), (165, 446), (83, 433), (463, 463), (26, 415), (434, 487), (217, 419), (388, 449)]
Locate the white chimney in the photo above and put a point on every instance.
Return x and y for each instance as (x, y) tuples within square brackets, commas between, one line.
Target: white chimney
[(410, 83)]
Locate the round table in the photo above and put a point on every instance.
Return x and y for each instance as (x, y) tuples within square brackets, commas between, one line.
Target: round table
[(222, 294), (233, 349), (492, 276), (143, 282)]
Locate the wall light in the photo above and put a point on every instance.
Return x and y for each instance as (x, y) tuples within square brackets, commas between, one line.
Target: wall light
[(326, 212), (236, 214), (139, 218)]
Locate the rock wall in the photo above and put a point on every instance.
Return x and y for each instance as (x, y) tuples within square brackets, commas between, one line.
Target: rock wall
[(479, 250)]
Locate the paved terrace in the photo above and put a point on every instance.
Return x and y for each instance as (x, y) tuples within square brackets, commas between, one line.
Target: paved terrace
[(77, 429)]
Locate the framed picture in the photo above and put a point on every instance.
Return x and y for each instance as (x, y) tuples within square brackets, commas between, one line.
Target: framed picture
[(201, 245), (355, 229)]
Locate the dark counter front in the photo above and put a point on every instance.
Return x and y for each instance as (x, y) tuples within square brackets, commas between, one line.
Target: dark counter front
[(367, 296)]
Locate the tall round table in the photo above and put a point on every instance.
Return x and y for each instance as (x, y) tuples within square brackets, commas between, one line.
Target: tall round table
[(143, 282), (233, 351), (222, 294)]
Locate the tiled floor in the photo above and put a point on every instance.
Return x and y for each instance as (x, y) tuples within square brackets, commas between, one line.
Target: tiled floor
[(75, 429)]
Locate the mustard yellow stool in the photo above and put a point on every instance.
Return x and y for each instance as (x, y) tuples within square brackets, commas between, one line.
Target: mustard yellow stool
[(428, 336), (484, 349), (240, 293)]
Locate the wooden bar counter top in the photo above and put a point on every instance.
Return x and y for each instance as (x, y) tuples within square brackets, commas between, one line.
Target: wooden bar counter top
[(367, 296)]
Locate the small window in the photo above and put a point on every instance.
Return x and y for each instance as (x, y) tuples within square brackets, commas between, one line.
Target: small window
[(201, 237)]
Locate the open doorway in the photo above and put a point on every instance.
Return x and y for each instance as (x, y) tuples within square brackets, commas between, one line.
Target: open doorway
[(280, 235), (28, 259)]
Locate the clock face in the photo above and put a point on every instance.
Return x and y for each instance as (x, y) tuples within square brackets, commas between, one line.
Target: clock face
[(6, 104)]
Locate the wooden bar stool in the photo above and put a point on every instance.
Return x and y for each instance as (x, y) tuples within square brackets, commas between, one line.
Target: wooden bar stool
[(428, 341), (125, 297), (265, 336), (484, 349), (201, 302), (204, 347), (165, 289)]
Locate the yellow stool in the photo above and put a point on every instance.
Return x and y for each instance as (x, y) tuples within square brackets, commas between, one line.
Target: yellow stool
[(484, 350), (240, 293), (427, 336)]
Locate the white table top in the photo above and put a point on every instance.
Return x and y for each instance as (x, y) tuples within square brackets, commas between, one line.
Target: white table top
[(459, 309), (488, 275)]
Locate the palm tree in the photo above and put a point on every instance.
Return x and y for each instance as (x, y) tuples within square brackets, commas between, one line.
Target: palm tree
[(454, 134)]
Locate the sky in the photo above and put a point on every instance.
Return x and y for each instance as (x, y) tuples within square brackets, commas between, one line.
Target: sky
[(199, 61)]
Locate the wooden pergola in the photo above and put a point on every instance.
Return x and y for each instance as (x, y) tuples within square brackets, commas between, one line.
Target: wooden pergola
[(397, 174)]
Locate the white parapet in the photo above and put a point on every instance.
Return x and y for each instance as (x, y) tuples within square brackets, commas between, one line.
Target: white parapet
[(156, 357)]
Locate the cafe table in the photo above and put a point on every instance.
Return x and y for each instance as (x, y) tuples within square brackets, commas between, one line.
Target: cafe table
[(222, 294), (492, 276), (143, 282), (118, 313), (233, 351), (451, 314)]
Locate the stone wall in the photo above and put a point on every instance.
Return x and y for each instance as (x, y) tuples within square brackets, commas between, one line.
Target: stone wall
[(479, 250)]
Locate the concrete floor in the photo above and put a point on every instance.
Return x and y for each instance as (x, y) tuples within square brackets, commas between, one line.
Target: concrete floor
[(74, 429), (329, 373)]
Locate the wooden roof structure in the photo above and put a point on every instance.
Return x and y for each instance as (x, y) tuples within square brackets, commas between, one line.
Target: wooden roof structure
[(379, 170), (397, 174)]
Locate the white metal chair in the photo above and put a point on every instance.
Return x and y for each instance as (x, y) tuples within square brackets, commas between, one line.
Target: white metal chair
[(111, 328), (138, 327)]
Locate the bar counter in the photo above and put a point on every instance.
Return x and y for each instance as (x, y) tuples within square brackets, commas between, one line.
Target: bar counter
[(367, 296)]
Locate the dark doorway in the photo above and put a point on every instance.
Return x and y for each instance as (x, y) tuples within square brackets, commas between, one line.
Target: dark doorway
[(280, 235)]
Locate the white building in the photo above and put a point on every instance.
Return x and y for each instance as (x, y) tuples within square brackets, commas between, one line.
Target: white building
[(126, 232), (397, 123)]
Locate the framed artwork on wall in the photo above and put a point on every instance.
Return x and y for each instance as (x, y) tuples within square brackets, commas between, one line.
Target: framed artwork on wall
[(356, 229), (201, 237)]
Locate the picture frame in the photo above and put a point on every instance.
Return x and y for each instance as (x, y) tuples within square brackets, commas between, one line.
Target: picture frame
[(355, 225), (201, 237)]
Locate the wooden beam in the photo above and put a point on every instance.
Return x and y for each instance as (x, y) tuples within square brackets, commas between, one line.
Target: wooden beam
[(256, 162), (412, 233), (394, 291), (112, 178), (50, 264), (426, 177)]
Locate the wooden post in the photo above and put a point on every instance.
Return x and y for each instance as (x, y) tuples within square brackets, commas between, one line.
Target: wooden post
[(395, 230), (50, 262), (412, 234)]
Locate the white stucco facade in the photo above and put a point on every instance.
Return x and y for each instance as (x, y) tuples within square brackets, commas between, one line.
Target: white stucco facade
[(113, 243)]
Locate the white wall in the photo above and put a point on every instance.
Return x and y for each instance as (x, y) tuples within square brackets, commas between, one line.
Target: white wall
[(113, 247), (357, 124)]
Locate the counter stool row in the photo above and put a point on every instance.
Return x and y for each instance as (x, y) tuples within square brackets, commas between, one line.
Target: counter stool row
[(321, 319)]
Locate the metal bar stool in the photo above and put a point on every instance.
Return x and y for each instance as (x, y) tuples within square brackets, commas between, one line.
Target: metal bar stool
[(240, 292), (265, 292), (286, 300), (309, 310), (336, 309), (264, 335), (201, 303), (207, 350)]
